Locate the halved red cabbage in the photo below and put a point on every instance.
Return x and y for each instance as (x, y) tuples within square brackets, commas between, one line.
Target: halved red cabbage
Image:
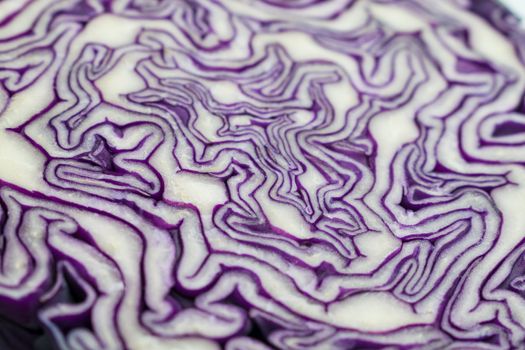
[(254, 175)]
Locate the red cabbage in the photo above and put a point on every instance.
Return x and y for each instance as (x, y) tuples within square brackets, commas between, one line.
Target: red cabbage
[(261, 174)]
